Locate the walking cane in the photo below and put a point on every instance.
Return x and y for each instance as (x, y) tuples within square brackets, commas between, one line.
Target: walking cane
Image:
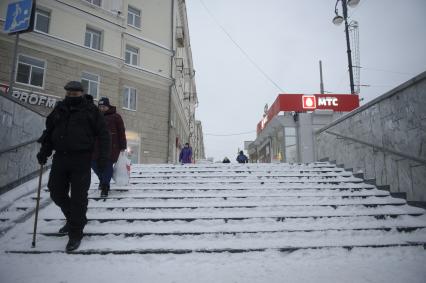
[(33, 244)]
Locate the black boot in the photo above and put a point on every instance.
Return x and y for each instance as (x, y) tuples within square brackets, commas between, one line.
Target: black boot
[(73, 244), (104, 191), (65, 229)]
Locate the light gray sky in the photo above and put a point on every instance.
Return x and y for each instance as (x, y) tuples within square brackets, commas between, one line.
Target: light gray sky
[(287, 38)]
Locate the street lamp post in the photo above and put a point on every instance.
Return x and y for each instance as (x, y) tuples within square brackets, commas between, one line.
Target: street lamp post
[(337, 21)]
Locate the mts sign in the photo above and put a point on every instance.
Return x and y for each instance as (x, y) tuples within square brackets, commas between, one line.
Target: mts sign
[(311, 102), (328, 101), (303, 103)]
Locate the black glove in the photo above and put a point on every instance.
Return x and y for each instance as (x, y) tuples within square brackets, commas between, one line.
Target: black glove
[(42, 158), (102, 164)]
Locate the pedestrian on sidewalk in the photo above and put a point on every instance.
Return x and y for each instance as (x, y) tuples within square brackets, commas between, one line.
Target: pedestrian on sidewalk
[(71, 130), (226, 160), (117, 131), (185, 155), (242, 158)]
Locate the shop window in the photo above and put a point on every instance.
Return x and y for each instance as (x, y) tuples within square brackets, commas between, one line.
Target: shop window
[(129, 98), (277, 141), (90, 84), (30, 71), (133, 146), (134, 17), (42, 20), (290, 141)]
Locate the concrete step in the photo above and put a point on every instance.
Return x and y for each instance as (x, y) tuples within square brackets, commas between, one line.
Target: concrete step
[(234, 218), (234, 233), (296, 239), (177, 251)]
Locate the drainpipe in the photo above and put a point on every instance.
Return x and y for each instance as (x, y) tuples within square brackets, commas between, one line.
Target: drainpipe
[(169, 117)]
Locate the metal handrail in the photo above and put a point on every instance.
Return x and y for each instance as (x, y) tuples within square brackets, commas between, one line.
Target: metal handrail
[(397, 90), (17, 146), (381, 148)]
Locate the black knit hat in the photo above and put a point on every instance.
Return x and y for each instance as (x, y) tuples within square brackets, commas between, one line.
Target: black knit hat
[(74, 86), (104, 101)]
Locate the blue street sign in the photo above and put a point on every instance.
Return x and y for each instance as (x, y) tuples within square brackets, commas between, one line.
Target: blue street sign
[(18, 17)]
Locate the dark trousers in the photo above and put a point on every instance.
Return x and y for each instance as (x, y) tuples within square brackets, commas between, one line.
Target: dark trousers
[(106, 175), (71, 171)]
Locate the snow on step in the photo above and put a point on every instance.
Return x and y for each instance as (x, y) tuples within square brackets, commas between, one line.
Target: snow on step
[(252, 201), (250, 225), (217, 207), (256, 180), (261, 185), (241, 175), (260, 240), (240, 213)]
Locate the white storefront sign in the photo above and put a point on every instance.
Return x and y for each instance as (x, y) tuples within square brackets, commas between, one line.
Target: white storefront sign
[(311, 102), (36, 99), (327, 101)]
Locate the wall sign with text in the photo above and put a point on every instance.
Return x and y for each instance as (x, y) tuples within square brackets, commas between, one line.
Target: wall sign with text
[(307, 103)]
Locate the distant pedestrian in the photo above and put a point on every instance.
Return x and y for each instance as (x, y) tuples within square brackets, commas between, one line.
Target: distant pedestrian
[(117, 131), (226, 160), (71, 130), (242, 158), (185, 155)]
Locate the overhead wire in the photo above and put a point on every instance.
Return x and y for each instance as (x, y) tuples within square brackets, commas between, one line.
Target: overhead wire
[(240, 48)]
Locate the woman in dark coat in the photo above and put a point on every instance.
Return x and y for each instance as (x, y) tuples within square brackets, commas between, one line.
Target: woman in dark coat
[(118, 143)]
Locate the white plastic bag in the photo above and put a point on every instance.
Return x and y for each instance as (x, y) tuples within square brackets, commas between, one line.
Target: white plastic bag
[(121, 173)]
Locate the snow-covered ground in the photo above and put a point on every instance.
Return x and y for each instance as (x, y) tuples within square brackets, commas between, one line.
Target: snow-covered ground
[(386, 265), (223, 223)]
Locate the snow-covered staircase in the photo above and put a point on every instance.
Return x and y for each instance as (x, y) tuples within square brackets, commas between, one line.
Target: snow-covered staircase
[(232, 208)]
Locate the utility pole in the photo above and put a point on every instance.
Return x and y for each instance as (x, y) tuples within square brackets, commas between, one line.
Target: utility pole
[(348, 45), (321, 81), (337, 20)]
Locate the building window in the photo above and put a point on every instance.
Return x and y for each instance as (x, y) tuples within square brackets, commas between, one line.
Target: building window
[(129, 98), (90, 84), (92, 38), (30, 71), (95, 2), (42, 19), (131, 56), (134, 17)]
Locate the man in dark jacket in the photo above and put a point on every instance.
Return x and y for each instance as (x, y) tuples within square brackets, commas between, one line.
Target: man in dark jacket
[(71, 130), (185, 155), (241, 158), (116, 128)]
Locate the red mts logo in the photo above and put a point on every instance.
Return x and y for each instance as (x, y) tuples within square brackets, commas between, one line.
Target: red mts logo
[(309, 102)]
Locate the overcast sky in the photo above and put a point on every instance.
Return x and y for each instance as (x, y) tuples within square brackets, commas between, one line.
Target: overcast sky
[(286, 39)]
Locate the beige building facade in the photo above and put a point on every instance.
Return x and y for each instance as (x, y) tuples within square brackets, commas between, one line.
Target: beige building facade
[(135, 52)]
